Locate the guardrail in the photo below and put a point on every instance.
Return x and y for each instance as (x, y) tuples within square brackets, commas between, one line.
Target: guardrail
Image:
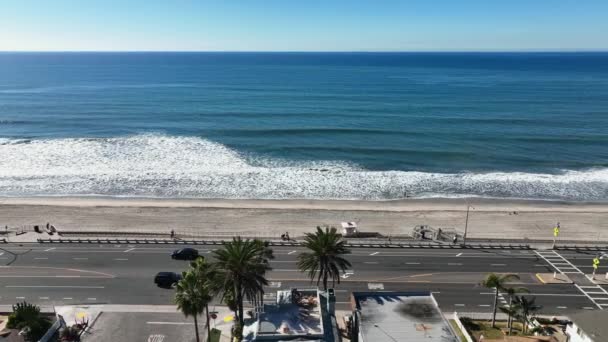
[(581, 248), (154, 241), (353, 244)]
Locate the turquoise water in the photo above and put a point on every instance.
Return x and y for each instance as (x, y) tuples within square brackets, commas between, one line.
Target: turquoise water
[(305, 125)]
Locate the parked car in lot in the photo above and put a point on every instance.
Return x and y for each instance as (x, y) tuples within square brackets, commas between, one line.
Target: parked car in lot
[(185, 254), (167, 279)]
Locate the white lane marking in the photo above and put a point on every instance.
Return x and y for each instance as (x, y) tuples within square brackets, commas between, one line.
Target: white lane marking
[(80, 258), (458, 304), (374, 253), (498, 264), (1, 253), (284, 270), (459, 254), (588, 308), (412, 263), (540, 265), (43, 298), (121, 259), (484, 305), (91, 298), (562, 307), (128, 250), (19, 297), (292, 252), (171, 323), (41, 258), (543, 294), (67, 298), (347, 274), (435, 292), (59, 286), (49, 249)]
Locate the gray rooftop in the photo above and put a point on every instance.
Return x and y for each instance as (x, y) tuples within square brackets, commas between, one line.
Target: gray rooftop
[(401, 316), (289, 318), (593, 323)]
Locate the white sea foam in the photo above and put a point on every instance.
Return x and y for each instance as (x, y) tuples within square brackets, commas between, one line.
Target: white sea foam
[(167, 166)]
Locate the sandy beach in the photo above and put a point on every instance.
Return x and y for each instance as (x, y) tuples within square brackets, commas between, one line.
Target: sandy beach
[(266, 218)]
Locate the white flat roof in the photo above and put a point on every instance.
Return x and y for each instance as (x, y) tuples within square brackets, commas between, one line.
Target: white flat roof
[(401, 317)]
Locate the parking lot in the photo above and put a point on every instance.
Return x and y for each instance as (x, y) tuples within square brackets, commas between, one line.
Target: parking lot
[(146, 327)]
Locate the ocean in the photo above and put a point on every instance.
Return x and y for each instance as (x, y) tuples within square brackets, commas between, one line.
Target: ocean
[(372, 126)]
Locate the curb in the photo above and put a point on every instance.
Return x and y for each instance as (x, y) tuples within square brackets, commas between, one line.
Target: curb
[(540, 278)]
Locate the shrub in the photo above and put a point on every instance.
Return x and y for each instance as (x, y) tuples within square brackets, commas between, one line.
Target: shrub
[(28, 315)]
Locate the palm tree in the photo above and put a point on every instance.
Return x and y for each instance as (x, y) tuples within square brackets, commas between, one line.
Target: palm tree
[(205, 274), (325, 257), (189, 299), (511, 309), (497, 282), (527, 309), (241, 268)]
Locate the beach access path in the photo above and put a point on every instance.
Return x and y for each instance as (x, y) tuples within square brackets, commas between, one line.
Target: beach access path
[(488, 219)]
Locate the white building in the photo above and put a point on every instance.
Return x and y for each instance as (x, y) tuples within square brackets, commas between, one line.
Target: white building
[(589, 326)]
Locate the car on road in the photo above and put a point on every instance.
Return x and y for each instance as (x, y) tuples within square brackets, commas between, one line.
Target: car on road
[(185, 254), (167, 279)]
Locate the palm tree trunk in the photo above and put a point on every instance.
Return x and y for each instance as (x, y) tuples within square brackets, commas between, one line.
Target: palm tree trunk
[(494, 311), (510, 320), (239, 303), (208, 327), (325, 281), (196, 329)]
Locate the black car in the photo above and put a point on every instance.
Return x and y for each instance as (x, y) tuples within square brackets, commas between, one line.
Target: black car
[(167, 279), (185, 254)]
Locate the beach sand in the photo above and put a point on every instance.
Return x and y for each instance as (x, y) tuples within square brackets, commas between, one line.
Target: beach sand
[(269, 218)]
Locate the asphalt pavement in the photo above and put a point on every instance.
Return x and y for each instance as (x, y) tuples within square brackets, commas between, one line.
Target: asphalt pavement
[(52, 274)]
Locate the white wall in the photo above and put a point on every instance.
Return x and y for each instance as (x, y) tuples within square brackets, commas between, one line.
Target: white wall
[(577, 335)]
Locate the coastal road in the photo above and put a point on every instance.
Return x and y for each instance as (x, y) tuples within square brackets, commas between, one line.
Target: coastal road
[(52, 274)]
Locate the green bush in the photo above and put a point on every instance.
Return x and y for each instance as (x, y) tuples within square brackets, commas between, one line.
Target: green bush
[(469, 324), (28, 315)]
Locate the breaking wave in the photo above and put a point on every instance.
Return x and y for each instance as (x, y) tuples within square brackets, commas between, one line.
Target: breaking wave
[(152, 165)]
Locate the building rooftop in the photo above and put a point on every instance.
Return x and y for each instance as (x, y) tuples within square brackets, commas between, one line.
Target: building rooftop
[(593, 323), (400, 316), (296, 313)]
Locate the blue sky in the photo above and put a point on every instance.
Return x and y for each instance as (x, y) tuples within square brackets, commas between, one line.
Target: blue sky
[(304, 25)]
